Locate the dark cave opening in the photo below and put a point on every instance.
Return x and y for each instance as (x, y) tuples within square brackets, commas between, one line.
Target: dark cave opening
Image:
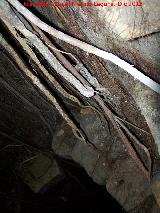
[(76, 192)]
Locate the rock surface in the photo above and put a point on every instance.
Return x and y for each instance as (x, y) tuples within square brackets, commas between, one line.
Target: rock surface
[(27, 116)]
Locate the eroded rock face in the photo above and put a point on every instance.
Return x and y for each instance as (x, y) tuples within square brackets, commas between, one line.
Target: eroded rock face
[(27, 115), (103, 161)]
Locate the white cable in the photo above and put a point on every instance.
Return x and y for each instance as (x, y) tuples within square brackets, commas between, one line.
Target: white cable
[(86, 47)]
